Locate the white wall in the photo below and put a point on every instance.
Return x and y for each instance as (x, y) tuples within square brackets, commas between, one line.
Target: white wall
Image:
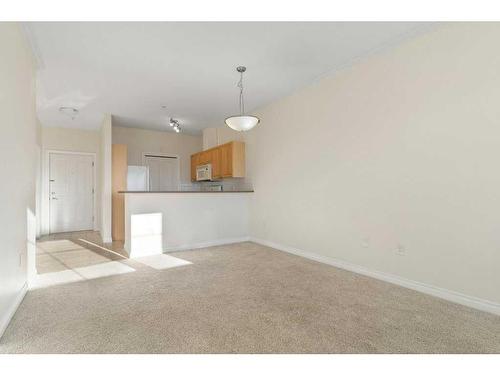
[(219, 135), (106, 149), (209, 138), (141, 140), (401, 149), (18, 147), (75, 140)]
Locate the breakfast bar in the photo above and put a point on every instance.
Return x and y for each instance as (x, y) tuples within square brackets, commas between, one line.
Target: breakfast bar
[(163, 221)]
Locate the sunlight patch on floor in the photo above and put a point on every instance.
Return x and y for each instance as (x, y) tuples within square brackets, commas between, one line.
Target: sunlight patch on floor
[(79, 274), (54, 278), (57, 246), (162, 261)]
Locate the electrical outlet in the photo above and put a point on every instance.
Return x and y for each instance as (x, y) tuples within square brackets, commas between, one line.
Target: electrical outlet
[(365, 242), (400, 250)]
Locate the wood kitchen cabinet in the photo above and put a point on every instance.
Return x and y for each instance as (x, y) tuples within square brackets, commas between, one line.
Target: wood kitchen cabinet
[(215, 159), (227, 160), (226, 152), (204, 158), (194, 163), (237, 160)]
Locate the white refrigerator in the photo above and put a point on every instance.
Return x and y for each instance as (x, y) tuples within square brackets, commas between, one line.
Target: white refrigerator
[(137, 178)]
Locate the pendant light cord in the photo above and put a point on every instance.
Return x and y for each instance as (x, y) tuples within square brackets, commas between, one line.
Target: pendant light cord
[(242, 103)]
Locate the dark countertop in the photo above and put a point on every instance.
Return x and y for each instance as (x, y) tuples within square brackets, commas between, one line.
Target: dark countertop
[(184, 191)]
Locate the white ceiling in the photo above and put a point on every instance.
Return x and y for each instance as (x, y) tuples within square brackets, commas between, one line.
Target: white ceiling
[(131, 69)]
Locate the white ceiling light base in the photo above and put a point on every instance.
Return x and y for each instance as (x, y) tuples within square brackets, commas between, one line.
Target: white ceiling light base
[(242, 123), (69, 111)]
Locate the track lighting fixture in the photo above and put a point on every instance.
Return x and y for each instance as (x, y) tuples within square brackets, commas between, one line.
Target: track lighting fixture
[(175, 125)]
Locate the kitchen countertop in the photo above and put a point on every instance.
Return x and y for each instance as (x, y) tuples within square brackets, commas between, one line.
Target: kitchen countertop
[(184, 191)]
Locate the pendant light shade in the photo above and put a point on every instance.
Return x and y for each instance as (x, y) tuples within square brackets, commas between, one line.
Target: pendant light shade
[(241, 122)]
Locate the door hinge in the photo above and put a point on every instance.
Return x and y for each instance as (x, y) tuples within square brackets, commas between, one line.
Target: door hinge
[(92, 163), (92, 190)]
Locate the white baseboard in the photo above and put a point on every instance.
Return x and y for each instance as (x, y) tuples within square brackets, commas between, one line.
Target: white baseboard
[(5, 320), (456, 297), (199, 245)]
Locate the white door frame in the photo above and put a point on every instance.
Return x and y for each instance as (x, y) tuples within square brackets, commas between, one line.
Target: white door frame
[(45, 223), (160, 154)]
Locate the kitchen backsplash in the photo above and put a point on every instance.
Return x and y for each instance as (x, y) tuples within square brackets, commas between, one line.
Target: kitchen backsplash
[(227, 185)]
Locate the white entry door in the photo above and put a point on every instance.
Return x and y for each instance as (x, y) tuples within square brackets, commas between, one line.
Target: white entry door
[(71, 192), (163, 172)]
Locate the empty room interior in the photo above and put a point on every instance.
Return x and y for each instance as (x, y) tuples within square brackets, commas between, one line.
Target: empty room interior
[(250, 187)]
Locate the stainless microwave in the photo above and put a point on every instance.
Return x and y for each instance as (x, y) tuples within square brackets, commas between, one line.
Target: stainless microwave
[(204, 172)]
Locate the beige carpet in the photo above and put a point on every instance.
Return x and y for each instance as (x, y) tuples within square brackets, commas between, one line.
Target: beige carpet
[(243, 298)]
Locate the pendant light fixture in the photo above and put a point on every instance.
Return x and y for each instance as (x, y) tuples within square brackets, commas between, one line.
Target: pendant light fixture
[(242, 122)]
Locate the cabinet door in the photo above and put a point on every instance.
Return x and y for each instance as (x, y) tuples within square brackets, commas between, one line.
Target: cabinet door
[(226, 160), (238, 159), (204, 158), (194, 163), (215, 160)]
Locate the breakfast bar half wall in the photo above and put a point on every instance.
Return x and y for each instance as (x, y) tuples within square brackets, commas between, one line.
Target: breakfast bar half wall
[(158, 222)]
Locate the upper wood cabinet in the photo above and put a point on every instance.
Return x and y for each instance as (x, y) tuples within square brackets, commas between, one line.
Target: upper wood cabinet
[(204, 158), (228, 160), (194, 163), (226, 167), (215, 160)]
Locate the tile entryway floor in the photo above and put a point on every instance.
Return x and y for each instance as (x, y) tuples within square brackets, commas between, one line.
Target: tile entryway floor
[(76, 256)]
